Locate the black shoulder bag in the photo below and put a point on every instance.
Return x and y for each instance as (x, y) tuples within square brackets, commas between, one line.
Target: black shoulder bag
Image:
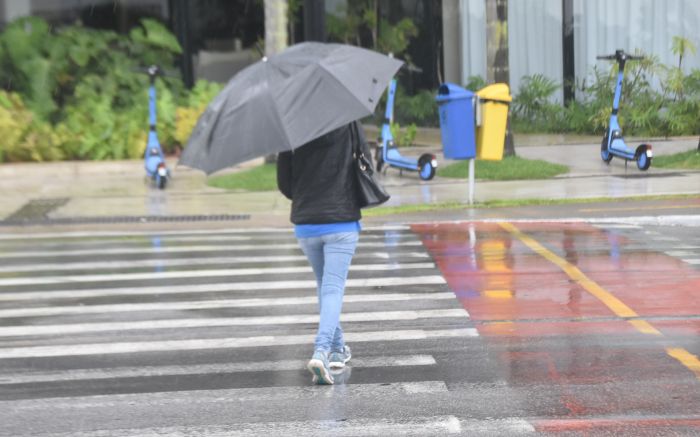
[(370, 192)]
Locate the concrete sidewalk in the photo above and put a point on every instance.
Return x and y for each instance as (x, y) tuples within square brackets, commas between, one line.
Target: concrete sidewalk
[(73, 190)]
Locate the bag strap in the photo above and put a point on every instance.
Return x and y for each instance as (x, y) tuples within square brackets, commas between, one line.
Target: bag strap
[(354, 139)]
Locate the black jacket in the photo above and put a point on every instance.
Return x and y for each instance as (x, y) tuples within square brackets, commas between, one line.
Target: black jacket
[(319, 178)]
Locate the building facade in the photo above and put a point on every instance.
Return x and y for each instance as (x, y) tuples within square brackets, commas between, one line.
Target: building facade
[(558, 39), (542, 34)]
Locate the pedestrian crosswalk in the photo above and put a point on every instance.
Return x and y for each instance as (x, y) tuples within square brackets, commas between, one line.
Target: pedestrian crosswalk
[(208, 333), (680, 242)]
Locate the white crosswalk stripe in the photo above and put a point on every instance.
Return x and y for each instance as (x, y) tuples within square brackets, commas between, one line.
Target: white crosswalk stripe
[(184, 249), (125, 234), (107, 320), (216, 287), (239, 395), (189, 262), (420, 426), (78, 328), (249, 366), (199, 274), (220, 343), (150, 240)]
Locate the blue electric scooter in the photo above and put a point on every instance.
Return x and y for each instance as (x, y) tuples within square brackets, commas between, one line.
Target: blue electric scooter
[(154, 158), (388, 154), (613, 143)]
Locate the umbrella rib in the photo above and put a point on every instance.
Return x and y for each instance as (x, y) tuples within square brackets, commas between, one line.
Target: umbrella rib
[(278, 117)]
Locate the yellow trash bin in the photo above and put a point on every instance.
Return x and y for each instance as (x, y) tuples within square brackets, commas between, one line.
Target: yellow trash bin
[(491, 133)]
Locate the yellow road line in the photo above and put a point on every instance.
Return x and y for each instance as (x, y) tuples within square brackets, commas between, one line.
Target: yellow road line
[(614, 304), (686, 358), (639, 208)]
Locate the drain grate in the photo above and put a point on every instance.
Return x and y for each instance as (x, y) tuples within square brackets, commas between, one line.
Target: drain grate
[(122, 219), (37, 209)]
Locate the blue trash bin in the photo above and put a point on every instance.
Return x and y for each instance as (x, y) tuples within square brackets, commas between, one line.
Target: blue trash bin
[(456, 108)]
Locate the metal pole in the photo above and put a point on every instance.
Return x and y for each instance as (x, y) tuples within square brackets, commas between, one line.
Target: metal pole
[(182, 14), (567, 29), (471, 181), (315, 20)]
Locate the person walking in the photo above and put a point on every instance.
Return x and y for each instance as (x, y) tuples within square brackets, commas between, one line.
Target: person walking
[(319, 178)]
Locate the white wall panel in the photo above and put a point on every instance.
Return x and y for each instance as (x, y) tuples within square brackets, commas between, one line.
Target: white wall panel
[(602, 26), (473, 34), (535, 41)]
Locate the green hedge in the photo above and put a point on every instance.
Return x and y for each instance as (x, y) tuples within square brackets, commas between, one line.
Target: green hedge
[(76, 93), (657, 100)]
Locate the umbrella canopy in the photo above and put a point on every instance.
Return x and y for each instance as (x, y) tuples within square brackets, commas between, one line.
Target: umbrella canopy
[(287, 100)]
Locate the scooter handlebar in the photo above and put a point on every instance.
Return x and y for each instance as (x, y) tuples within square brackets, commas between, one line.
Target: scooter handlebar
[(620, 55), (155, 70)]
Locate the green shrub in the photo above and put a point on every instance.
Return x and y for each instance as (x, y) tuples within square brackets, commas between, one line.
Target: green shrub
[(24, 137), (475, 83), (672, 109), (532, 108), (77, 93), (186, 116), (420, 109), (403, 137)]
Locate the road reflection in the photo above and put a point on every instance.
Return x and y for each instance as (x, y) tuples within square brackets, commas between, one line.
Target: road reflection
[(583, 312)]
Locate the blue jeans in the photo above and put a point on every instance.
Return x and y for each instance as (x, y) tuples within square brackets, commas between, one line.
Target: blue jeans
[(330, 256)]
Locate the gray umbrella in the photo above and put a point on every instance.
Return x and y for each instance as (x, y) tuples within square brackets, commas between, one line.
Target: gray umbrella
[(287, 100)]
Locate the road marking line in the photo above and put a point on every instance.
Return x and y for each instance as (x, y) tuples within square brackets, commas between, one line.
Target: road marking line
[(598, 425), (219, 303), (163, 238), (638, 208), (117, 277), (33, 377), (644, 327), (686, 358), (217, 287), (177, 262), (414, 426), (79, 328), (618, 307), (186, 249), (614, 304), (70, 350), (226, 397), (247, 231), (690, 220), (498, 426)]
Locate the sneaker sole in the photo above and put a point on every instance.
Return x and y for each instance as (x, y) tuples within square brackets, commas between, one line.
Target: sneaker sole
[(321, 375), (338, 364)]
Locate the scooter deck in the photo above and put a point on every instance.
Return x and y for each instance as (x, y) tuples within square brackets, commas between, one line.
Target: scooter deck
[(393, 157)]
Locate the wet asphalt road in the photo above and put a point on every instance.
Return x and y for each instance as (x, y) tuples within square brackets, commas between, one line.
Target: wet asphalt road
[(457, 328)]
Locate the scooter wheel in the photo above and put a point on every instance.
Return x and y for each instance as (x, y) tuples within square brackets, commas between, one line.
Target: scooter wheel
[(426, 168), (605, 154), (643, 161)]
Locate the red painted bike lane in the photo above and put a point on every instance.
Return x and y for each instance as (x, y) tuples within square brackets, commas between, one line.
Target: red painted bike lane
[(572, 305)]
